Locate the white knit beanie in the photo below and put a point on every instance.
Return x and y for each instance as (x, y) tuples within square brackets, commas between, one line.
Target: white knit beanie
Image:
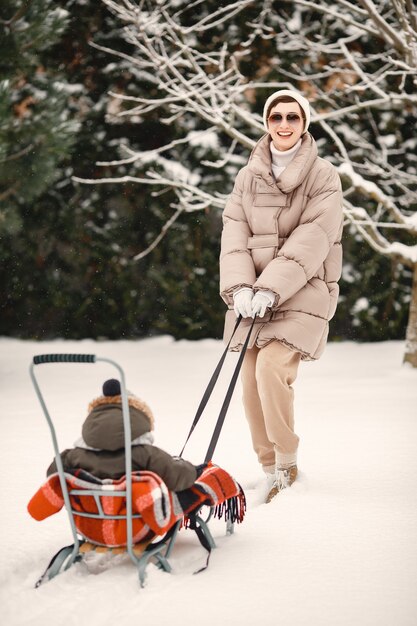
[(303, 102)]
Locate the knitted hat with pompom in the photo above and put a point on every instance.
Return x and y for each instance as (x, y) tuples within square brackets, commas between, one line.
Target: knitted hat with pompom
[(112, 394)]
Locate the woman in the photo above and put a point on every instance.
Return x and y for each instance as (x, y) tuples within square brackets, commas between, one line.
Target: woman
[(280, 261)]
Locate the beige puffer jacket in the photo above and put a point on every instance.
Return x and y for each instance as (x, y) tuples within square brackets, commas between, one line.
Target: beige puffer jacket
[(285, 236)]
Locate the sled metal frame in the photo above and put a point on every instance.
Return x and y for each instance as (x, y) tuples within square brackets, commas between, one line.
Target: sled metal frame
[(67, 556)]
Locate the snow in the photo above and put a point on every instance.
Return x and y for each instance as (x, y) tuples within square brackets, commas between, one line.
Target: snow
[(348, 273), (412, 220), (294, 24), (408, 252), (362, 304), (68, 88), (370, 188), (205, 139), (337, 548), (388, 140), (60, 13), (178, 172)]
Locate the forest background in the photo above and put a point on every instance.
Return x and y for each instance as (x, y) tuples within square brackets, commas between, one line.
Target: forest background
[(72, 111)]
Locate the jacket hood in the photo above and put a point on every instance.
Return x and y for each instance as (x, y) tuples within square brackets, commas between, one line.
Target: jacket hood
[(103, 429), (260, 163)]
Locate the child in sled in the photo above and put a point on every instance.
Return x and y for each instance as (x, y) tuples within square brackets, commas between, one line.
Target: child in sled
[(100, 449)]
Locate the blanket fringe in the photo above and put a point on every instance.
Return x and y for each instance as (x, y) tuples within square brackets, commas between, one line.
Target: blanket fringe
[(233, 509)]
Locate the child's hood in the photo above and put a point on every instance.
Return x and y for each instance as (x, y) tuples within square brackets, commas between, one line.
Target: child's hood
[(103, 428)]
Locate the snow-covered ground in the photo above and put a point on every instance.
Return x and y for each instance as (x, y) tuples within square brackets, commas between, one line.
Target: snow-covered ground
[(338, 548)]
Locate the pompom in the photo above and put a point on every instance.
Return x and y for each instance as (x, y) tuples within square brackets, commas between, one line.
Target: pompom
[(111, 388)]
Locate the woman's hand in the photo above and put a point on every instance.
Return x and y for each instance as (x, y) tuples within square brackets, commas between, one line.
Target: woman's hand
[(261, 301), (242, 301)]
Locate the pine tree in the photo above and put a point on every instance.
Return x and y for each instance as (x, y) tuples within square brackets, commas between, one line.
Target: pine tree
[(36, 131), (36, 134), (53, 237)]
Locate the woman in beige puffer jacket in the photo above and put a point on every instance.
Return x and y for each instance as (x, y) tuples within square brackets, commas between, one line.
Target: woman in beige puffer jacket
[(280, 261)]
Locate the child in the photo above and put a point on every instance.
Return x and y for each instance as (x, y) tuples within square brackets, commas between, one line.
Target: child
[(100, 450)]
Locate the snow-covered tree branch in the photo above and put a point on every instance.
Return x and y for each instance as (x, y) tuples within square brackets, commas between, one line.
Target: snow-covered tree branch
[(355, 61)]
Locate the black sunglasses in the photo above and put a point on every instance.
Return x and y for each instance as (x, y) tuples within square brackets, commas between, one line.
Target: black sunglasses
[(292, 118)]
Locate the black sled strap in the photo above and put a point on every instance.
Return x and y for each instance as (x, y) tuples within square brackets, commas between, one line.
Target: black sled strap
[(229, 394), (210, 387), (193, 524)]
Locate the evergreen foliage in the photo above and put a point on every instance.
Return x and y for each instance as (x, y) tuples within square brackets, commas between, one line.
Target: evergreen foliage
[(374, 294), (36, 129), (67, 268)]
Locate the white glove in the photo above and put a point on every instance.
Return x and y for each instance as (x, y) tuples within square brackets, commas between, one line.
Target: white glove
[(242, 301), (261, 301)]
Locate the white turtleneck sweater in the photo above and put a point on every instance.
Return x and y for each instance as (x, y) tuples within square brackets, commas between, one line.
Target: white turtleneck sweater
[(282, 158)]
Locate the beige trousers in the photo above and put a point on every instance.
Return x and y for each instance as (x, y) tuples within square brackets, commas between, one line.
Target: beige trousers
[(268, 399)]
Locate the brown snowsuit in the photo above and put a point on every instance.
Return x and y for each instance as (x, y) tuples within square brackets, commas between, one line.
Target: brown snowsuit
[(101, 449)]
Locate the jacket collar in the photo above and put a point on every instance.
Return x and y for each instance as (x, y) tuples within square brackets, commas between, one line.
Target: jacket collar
[(293, 175), (146, 438)]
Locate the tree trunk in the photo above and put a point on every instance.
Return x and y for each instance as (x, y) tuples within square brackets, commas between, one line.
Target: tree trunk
[(410, 355)]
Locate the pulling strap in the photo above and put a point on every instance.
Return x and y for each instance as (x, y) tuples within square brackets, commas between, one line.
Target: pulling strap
[(229, 393), (193, 524)]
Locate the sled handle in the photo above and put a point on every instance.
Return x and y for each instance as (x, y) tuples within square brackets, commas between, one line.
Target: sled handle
[(64, 358), (89, 358)]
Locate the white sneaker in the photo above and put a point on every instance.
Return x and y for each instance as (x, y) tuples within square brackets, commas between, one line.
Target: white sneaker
[(270, 479), (283, 478), (262, 488)]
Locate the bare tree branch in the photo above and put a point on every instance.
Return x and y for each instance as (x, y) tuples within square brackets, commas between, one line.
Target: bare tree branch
[(382, 26), (161, 235), (351, 87), (19, 14)]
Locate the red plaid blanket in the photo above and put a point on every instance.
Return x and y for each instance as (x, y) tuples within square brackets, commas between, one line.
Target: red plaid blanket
[(158, 507)]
